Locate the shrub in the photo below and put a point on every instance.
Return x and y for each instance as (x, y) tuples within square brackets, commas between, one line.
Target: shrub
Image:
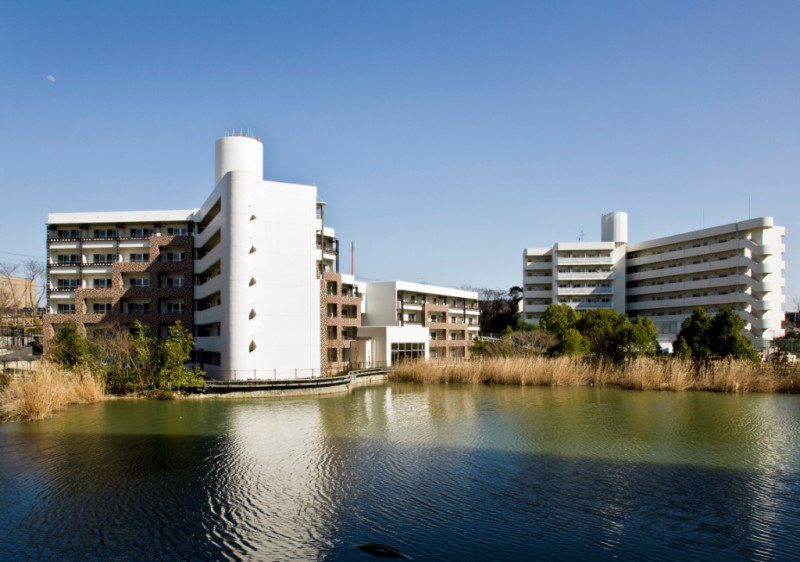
[(50, 388), (558, 318), (702, 337), (68, 347), (572, 344)]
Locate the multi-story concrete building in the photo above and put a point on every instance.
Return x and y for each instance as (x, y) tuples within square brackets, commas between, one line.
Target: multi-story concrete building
[(584, 275), (254, 272), (443, 320), (107, 268), (241, 270), (738, 266)]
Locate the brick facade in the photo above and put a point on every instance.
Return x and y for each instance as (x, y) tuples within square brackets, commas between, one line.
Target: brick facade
[(337, 344), (154, 293), (445, 347)]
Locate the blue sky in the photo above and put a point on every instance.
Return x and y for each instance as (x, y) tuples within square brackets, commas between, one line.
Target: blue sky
[(446, 137)]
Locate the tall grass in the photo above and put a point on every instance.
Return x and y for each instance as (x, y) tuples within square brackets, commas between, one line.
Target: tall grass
[(641, 374), (49, 389)]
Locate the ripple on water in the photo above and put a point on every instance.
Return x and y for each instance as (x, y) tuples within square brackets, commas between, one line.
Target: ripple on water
[(439, 472)]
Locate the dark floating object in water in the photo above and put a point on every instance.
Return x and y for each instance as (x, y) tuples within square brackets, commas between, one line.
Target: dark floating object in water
[(381, 550)]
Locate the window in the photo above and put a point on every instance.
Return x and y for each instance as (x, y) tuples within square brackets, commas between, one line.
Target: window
[(331, 332), (138, 307), (101, 283), (139, 282), (104, 258), (104, 233), (177, 230), (101, 307), (68, 233), (67, 284), (211, 358), (407, 351), (141, 232), (68, 258), (141, 257), (173, 282), (173, 256), (65, 308), (174, 308)]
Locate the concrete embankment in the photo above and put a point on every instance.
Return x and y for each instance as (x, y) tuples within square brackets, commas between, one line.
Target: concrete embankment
[(288, 388)]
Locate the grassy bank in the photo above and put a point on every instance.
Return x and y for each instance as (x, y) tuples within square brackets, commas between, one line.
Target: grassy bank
[(49, 389), (640, 374)]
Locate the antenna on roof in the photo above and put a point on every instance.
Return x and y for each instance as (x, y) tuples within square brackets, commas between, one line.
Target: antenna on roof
[(580, 236)]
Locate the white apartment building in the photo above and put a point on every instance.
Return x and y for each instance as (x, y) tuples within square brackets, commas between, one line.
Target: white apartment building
[(738, 266), (254, 272), (408, 320), (241, 269), (584, 275)]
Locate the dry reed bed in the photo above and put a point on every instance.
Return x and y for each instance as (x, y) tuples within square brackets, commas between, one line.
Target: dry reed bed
[(47, 390), (639, 374)]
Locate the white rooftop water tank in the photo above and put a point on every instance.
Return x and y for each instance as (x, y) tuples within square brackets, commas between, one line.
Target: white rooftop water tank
[(238, 153), (614, 227)]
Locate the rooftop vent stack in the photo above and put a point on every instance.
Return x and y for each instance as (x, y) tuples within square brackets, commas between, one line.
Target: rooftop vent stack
[(614, 227)]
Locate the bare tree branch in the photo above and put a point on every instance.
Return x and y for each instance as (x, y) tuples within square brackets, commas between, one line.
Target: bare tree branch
[(35, 283)]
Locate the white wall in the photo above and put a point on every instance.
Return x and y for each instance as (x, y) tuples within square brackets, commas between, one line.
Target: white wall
[(385, 336), (381, 304), (268, 267)]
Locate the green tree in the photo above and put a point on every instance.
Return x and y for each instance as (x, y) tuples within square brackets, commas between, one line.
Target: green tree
[(636, 338), (558, 318), (695, 333), (143, 354), (68, 346), (572, 343), (173, 355), (681, 349), (726, 338), (600, 327)]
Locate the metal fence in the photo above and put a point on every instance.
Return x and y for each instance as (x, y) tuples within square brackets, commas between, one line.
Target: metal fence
[(256, 375)]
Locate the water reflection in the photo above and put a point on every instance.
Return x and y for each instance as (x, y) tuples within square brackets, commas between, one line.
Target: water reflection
[(441, 472)]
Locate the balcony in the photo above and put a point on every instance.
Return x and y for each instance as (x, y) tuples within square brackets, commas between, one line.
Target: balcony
[(593, 260), (586, 305), (585, 275), (702, 267), (73, 237), (539, 294), (585, 290), (539, 265)]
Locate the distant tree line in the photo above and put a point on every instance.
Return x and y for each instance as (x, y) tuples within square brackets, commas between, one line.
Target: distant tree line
[(607, 334)]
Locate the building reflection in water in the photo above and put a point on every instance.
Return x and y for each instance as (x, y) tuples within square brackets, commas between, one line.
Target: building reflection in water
[(439, 471)]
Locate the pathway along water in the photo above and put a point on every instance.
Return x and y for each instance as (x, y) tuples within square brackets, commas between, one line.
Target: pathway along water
[(440, 472)]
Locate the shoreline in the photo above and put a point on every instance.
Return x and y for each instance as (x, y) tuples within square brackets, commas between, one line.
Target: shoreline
[(51, 391), (639, 374)]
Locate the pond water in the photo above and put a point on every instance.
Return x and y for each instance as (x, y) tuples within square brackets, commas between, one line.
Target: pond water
[(440, 472)]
